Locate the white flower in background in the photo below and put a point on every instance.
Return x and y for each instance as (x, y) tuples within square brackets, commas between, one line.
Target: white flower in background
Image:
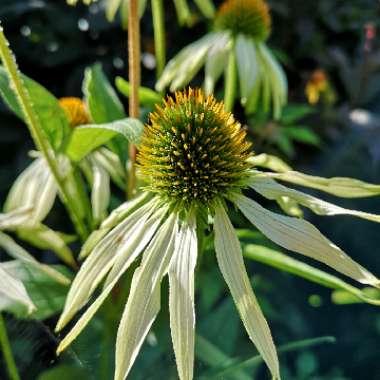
[(195, 161), (237, 43)]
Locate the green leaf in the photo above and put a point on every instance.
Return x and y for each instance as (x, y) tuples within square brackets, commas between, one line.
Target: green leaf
[(46, 294), (147, 96), (89, 137), (288, 264), (293, 113), (302, 134), (50, 114), (65, 372), (103, 104)]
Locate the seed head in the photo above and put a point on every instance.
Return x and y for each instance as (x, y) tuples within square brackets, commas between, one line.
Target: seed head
[(249, 17), (192, 150), (76, 111)]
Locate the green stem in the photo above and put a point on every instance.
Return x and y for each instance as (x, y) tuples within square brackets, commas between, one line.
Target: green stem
[(36, 131), (134, 80), (230, 82), (7, 352), (159, 35)]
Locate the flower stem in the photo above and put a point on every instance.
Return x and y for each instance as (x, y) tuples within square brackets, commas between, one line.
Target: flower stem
[(230, 82), (159, 35), (134, 79), (36, 131), (7, 352)]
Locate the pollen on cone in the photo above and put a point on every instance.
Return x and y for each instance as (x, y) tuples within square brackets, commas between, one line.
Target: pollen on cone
[(192, 149), (248, 17)]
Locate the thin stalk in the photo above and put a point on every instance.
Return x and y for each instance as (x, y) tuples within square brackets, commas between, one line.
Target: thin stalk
[(159, 35), (230, 82), (134, 80), (7, 352), (36, 132)]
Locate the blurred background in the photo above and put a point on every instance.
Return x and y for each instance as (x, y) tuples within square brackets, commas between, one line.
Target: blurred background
[(331, 52)]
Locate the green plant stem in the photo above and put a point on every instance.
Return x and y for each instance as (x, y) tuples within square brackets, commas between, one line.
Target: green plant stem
[(7, 352), (134, 80), (159, 35), (230, 82), (36, 132)]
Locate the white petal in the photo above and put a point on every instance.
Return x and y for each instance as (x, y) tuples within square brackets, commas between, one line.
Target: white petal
[(144, 300), (136, 246), (100, 192), (180, 70), (216, 61), (181, 298), (112, 164), (230, 260), (100, 261), (15, 218), (270, 162), (272, 190), (115, 217), (13, 290), (300, 236), (338, 186), (247, 65), (17, 252), (35, 187)]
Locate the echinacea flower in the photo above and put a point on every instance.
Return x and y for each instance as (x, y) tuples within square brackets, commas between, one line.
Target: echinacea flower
[(195, 160), (241, 28)]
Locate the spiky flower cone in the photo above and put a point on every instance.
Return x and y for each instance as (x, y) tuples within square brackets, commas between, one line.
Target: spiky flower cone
[(248, 17), (75, 110), (192, 150)]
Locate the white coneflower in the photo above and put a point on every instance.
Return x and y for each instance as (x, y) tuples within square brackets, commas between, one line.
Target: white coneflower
[(195, 160), (241, 28)]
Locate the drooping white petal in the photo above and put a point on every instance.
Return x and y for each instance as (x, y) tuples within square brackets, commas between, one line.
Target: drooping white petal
[(144, 300), (13, 219), (36, 188), (300, 236), (112, 164), (17, 252), (230, 260), (136, 246), (180, 70), (100, 261), (270, 162), (13, 290), (216, 61), (272, 190), (338, 186), (181, 298), (247, 65), (115, 217), (100, 192), (276, 79)]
